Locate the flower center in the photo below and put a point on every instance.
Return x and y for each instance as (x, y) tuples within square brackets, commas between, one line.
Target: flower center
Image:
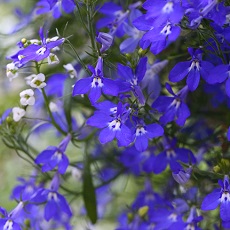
[(166, 30), (140, 130), (41, 51), (115, 124), (97, 82), (168, 8)]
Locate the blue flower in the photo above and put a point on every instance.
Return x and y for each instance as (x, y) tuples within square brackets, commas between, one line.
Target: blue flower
[(54, 156), (55, 202), (145, 132), (194, 69), (96, 84), (130, 80), (56, 6), (37, 52), (173, 108), (112, 125), (172, 155), (219, 196)]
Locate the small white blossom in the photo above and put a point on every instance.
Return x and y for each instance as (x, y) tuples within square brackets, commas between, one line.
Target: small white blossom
[(11, 71), (52, 59), (38, 81), (71, 71), (27, 97), (18, 113)]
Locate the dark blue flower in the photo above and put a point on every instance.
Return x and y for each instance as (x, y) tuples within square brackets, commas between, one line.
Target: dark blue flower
[(194, 69), (54, 156), (56, 6), (145, 132), (173, 108), (55, 202), (37, 52), (219, 196), (112, 125), (96, 84), (130, 80)]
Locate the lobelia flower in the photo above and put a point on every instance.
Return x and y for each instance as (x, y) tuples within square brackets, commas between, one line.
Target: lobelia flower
[(145, 132), (219, 196), (158, 38), (130, 80), (26, 190), (12, 221), (18, 113), (54, 156), (194, 69), (56, 6), (96, 84), (173, 108), (163, 11), (55, 202), (112, 125), (115, 17), (27, 97), (37, 52), (171, 155)]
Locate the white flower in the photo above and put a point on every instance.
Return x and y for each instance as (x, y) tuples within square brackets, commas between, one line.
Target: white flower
[(18, 113), (27, 97), (52, 59), (70, 69), (38, 81), (11, 71)]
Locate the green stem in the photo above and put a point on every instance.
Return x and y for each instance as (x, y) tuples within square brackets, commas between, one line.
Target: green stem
[(50, 113)]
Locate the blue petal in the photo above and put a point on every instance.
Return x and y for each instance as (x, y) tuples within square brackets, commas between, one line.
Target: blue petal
[(45, 155), (124, 136), (63, 164), (162, 103), (82, 86), (129, 45), (160, 163), (141, 143), (218, 74), (193, 79), (141, 69), (106, 135), (68, 6), (99, 120), (211, 201), (64, 206), (179, 71), (110, 87), (94, 94), (183, 113), (225, 210), (154, 130), (51, 209), (206, 68)]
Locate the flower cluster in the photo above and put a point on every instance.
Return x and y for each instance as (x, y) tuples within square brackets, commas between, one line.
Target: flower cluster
[(136, 91)]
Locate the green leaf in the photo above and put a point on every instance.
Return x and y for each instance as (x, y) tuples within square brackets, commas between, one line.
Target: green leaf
[(89, 195)]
